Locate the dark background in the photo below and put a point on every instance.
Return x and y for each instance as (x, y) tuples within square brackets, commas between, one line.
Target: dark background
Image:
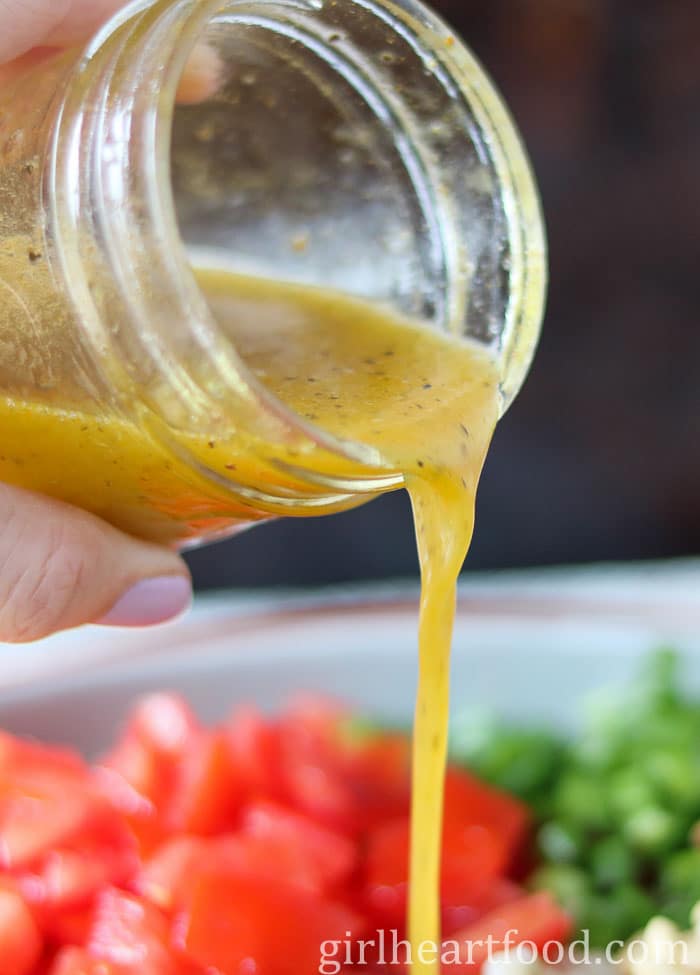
[(599, 458)]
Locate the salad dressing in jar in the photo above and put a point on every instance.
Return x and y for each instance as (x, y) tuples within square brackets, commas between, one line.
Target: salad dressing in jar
[(316, 280)]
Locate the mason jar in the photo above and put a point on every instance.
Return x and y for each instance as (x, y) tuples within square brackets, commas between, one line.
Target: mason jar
[(349, 144)]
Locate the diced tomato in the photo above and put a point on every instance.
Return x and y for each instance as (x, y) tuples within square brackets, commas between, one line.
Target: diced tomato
[(62, 884), (497, 893), (273, 843), (168, 875), (238, 850), (209, 790), (380, 772), (44, 797), (164, 723), (141, 769), (31, 824), (133, 935), (62, 830), (158, 735), (330, 855), (535, 918), (313, 777), (255, 752), (469, 801), (21, 942), (257, 858), (237, 925), (320, 792), (139, 813), (317, 717), (68, 926), (345, 784), (76, 961), (472, 859), (24, 757), (142, 775)]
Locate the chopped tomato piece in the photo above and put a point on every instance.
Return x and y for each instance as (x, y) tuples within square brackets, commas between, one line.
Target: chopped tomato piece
[(329, 854), (168, 875), (240, 850), (257, 858), (164, 723), (209, 790), (20, 939), (314, 765), (135, 936), (380, 772), (255, 751), (24, 756), (472, 859), (317, 717), (34, 820), (67, 926), (76, 961), (159, 733), (320, 792), (147, 774), (237, 925), (168, 878), (496, 894), (139, 813), (469, 801), (535, 918)]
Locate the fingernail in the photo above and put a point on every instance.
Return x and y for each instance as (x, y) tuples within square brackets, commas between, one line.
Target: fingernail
[(150, 602)]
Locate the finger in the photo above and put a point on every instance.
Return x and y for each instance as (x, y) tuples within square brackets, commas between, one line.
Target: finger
[(81, 19), (202, 74), (61, 567), (26, 23), (202, 78)]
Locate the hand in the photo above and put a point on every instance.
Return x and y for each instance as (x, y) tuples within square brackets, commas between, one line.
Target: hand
[(60, 567), (27, 24)]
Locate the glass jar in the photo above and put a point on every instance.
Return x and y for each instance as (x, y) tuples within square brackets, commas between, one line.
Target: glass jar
[(353, 144)]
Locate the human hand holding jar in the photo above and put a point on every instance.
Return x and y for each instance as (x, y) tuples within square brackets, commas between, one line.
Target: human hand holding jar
[(60, 566), (233, 236)]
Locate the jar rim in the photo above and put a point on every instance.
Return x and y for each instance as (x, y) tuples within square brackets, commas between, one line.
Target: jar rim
[(86, 206), (168, 31)]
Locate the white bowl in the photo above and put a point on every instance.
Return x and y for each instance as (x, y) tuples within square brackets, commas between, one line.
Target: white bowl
[(527, 655)]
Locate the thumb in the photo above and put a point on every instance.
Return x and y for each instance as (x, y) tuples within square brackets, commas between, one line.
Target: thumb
[(27, 23), (61, 567)]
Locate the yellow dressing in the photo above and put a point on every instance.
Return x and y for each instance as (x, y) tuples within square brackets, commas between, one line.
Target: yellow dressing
[(426, 404)]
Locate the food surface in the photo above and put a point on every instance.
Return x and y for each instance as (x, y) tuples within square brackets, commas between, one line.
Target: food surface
[(267, 846), (278, 845), (617, 806)]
